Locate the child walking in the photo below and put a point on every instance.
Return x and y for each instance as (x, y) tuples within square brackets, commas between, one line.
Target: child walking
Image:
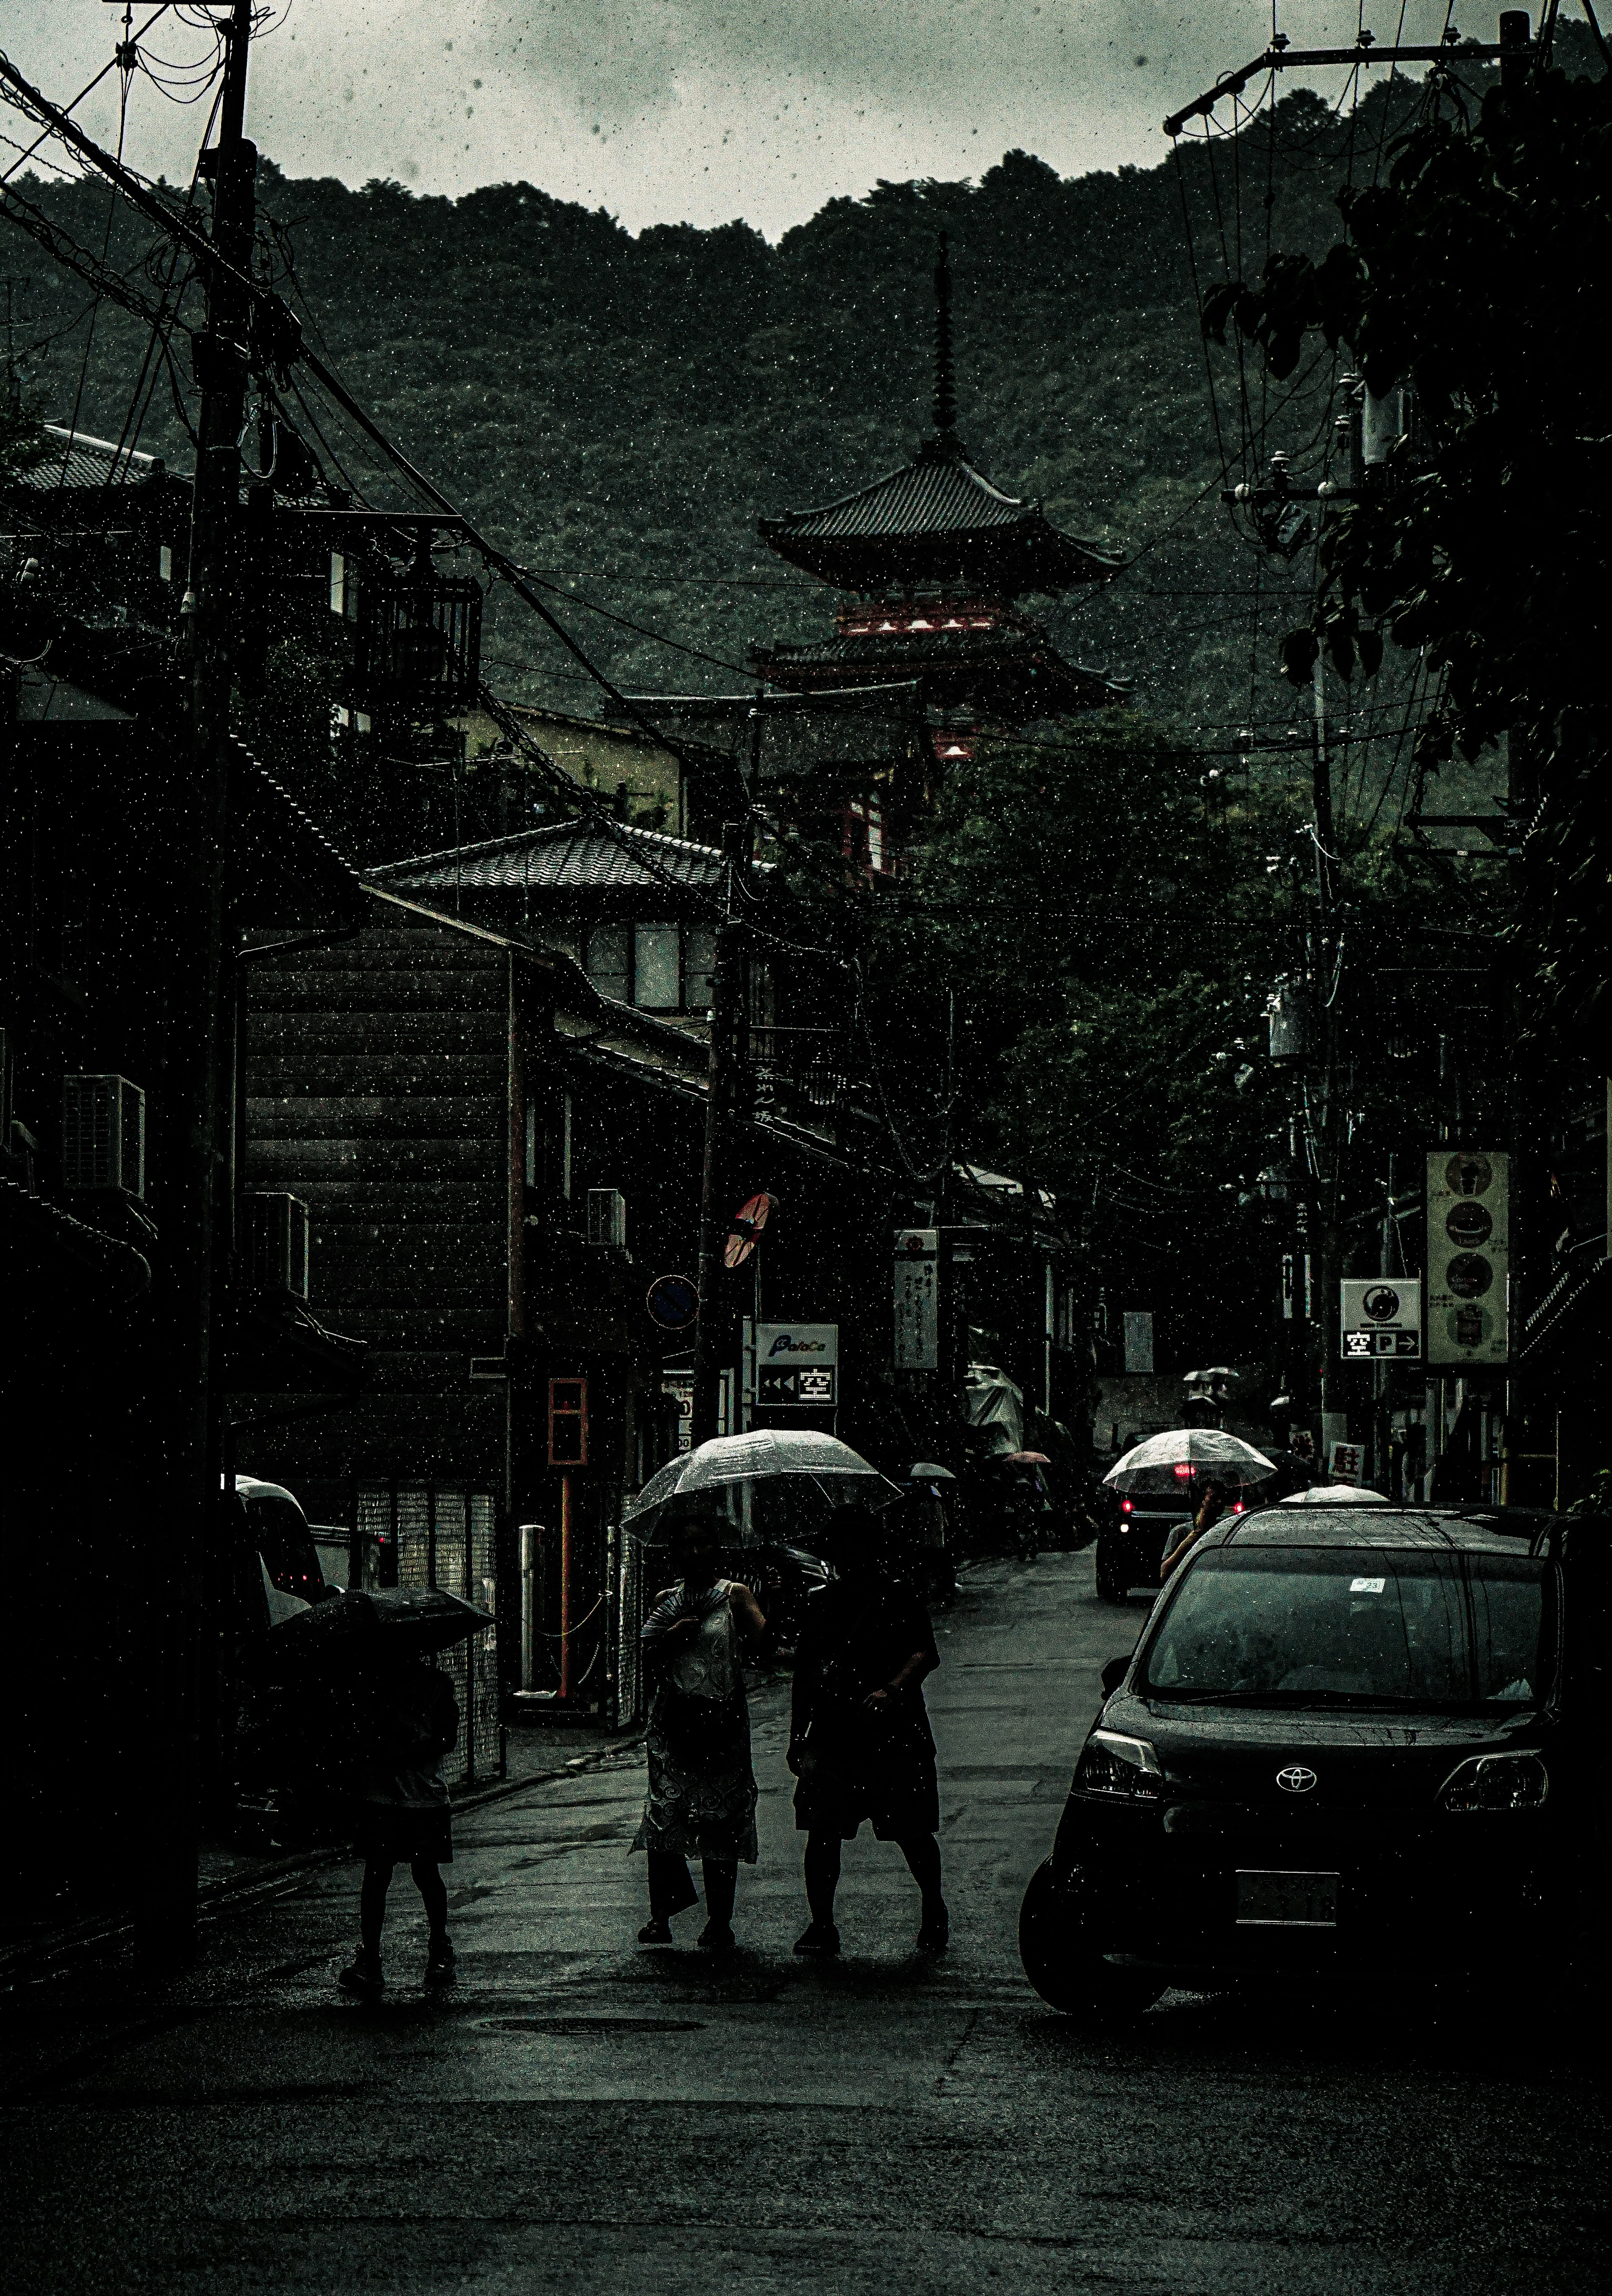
[(407, 1719)]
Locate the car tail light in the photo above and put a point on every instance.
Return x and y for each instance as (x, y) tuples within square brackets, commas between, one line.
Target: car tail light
[(1237, 1506), (1126, 1768), (1182, 1472), (1497, 1782), (1127, 1507)]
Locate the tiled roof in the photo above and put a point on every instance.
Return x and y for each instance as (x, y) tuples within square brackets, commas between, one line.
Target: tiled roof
[(1004, 654), (936, 513), (77, 460), (565, 856)]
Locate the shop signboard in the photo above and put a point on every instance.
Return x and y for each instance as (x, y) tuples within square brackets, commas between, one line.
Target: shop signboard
[(1468, 1258)]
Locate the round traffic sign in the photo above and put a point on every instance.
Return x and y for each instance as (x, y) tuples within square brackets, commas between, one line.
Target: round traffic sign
[(674, 1302)]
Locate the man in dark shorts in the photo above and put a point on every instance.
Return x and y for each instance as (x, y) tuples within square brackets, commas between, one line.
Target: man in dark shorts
[(407, 1719), (860, 1741)]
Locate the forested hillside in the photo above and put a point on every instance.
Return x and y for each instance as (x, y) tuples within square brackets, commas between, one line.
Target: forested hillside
[(619, 410)]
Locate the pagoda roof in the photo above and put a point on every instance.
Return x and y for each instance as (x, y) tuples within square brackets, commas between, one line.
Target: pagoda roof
[(1006, 668), (937, 519)]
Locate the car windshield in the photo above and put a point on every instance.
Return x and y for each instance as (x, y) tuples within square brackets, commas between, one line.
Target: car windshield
[(1353, 1626)]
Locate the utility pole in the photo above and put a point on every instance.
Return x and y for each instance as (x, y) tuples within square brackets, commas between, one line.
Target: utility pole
[(722, 1087), (1522, 1126), (195, 1081)]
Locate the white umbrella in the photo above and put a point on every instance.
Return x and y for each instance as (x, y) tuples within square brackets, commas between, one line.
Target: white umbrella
[(1334, 1494), (1163, 1462), (764, 1452)]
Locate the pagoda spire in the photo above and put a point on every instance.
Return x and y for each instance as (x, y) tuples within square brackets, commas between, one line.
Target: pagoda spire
[(945, 380)]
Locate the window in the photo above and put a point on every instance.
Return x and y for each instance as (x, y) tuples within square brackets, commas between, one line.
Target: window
[(656, 983), (699, 969), (1387, 1625), (863, 842), (656, 966), (609, 961)]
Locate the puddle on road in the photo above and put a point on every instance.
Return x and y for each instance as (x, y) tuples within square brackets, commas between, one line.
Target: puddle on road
[(562, 2025)]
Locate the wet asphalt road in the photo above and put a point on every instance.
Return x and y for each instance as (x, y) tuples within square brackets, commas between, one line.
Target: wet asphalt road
[(582, 2114)]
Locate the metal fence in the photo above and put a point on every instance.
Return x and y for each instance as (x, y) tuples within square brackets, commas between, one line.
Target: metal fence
[(442, 1535), (627, 1621)]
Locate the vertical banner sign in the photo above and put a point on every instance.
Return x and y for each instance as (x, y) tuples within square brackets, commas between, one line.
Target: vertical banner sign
[(917, 1331), (1138, 1339), (1469, 1258)]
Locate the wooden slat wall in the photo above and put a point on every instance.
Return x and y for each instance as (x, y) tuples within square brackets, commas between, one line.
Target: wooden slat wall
[(377, 1091)]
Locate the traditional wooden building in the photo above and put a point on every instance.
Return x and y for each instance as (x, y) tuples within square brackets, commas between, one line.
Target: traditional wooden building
[(499, 1160), (934, 561)]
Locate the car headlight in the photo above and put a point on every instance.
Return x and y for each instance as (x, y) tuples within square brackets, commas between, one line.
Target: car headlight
[(1497, 1782), (1125, 1767)]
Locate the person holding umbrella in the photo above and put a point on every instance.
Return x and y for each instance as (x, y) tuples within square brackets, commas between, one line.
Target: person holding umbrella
[(860, 1741), (701, 1801), (407, 1718), (1213, 1498), (360, 1663)]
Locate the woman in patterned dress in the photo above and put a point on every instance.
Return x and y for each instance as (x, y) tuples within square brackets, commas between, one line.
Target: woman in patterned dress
[(701, 1801)]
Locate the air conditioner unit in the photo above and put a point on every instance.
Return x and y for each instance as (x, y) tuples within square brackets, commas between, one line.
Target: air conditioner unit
[(103, 1134), (607, 1218), (275, 1242)]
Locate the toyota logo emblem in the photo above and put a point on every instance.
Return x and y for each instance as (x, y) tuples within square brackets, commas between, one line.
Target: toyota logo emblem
[(1296, 1778)]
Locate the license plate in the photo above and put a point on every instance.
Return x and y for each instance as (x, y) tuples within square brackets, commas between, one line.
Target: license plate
[(1306, 1901)]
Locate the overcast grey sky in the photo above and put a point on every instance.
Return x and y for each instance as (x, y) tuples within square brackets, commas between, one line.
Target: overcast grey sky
[(693, 109)]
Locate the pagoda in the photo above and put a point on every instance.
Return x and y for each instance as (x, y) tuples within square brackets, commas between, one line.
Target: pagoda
[(934, 559)]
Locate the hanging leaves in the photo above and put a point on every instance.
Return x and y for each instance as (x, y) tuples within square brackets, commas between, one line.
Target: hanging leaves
[(1479, 271)]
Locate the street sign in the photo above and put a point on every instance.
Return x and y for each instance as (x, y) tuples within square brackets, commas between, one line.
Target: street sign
[(1469, 1258), (1380, 1318), (680, 1386), (748, 1222), (1138, 1339), (797, 1366), (674, 1302), (917, 1327), (568, 1423)]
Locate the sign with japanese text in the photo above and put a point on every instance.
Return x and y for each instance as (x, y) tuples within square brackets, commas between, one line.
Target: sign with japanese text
[(917, 1309), (797, 1366), (1380, 1318), (1345, 1461), (1469, 1258)]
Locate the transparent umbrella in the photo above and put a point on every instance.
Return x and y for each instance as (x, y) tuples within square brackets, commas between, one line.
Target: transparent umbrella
[(1163, 1462), (1331, 1494), (765, 1455)]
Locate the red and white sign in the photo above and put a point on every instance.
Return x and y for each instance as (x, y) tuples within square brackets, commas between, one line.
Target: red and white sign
[(748, 1222)]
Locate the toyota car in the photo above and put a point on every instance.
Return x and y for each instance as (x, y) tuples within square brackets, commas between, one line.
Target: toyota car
[(1341, 1743)]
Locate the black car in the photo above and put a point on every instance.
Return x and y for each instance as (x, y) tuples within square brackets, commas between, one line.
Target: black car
[(1349, 1739), (1133, 1542), (1134, 1538)]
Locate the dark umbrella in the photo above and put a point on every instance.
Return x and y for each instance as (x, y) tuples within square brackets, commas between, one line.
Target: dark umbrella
[(350, 1629)]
